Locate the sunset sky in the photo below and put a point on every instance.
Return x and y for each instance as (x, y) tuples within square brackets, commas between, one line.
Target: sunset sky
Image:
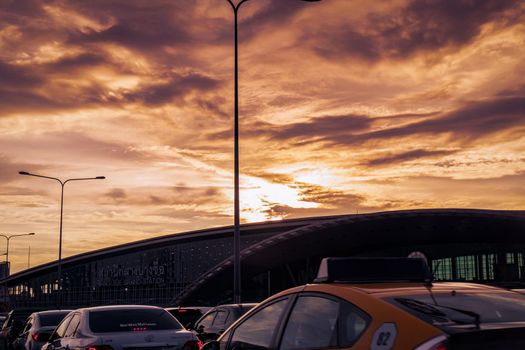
[(346, 106)]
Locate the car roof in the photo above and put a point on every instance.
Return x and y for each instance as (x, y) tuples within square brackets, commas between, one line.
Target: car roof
[(51, 312), (418, 288), (383, 290), (410, 288), (201, 308), (236, 305), (121, 307)]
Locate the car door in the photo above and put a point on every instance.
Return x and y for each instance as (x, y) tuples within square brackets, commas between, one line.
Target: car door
[(259, 330), (56, 340), (20, 342), (203, 327), (69, 341), (322, 321), (220, 323)]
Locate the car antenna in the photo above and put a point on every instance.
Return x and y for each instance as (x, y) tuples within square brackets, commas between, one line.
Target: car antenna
[(429, 285)]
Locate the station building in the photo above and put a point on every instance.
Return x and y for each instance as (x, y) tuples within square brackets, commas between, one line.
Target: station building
[(195, 267)]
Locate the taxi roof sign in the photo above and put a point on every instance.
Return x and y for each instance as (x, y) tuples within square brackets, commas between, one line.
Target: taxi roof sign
[(373, 270)]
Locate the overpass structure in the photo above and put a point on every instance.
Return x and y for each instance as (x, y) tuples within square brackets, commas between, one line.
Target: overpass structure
[(196, 267)]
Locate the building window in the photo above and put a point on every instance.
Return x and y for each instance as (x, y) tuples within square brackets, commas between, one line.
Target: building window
[(442, 269)]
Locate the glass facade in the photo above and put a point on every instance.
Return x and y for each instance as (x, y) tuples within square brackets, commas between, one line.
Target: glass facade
[(151, 276), (500, 267)]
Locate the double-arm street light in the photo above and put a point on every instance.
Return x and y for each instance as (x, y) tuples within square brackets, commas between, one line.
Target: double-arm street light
[(237, 231), (62, 183), (8, 238)]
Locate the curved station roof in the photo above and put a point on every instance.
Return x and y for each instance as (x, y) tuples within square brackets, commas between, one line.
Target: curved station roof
[(436, 232)]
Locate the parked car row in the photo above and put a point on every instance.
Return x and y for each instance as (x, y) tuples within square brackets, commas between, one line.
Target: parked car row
[(38, 329), (354, 303), (12, 326), (116, 327)]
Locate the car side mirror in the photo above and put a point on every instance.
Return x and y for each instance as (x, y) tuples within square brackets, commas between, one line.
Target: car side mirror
[(200, 329), (211, 345)]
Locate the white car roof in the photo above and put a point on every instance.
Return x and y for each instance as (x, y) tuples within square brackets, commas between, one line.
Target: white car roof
[(120, 307)]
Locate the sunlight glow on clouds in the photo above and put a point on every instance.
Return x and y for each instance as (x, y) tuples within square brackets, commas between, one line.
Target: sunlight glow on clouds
[(258, 194)]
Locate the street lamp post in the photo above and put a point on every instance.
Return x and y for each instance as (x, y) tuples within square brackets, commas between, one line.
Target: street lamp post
[(62, 184), (8, 238), (8, 268), (236, 201)]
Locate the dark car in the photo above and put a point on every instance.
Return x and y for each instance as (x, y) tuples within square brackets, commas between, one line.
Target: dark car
[(38, 328), (188, 315), (12, 326), (213, 323)]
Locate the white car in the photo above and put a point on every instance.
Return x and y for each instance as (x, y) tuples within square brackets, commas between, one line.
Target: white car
[(123, 327), (38, 328)]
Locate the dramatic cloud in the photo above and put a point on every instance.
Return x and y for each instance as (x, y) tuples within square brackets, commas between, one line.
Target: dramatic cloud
[(419, 26), (177, 87), (18, 77), (475, 120), (406, 156)]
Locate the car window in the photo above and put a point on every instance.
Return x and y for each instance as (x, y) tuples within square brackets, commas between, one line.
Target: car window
[(312, 324), (8, 321), (28, 325), (73, 325), (61, 329), (323, 322), (206, 321), (352, 324), (51, 319), (257, 331), (131, 320), (220, 318)]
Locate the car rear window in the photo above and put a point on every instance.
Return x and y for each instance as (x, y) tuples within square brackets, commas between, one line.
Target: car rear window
[(51, 319), (131, 320), (186, 316), (457, 307)]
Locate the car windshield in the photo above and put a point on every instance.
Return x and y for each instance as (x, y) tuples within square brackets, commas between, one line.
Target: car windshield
[(464, 308), (47, 320), (131, 320)]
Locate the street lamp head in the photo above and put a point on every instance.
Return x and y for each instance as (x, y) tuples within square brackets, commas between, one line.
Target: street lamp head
[(31, 234), (23, 173), (100, 177)]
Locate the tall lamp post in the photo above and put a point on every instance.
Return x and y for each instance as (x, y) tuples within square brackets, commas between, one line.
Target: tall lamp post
[(62, 183), (237, 230), (8, 268), (8, 238)]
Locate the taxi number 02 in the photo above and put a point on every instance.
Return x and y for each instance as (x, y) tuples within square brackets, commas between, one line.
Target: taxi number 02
[(384, 337)]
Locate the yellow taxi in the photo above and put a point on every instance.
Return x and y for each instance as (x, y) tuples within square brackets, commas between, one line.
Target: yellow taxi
[(381, 304)]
